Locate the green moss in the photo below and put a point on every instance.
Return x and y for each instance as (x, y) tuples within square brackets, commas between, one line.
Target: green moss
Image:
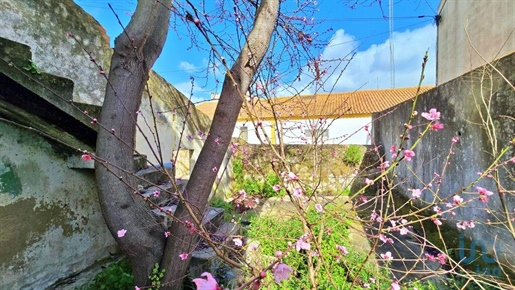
[(9, 180), (24, 223)]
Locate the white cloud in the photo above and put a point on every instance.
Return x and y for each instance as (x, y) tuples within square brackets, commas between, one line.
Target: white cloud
[(370, 68), (184, 65)]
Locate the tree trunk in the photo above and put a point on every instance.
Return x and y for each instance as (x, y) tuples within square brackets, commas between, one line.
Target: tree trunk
[(136, 50), (197, 191)]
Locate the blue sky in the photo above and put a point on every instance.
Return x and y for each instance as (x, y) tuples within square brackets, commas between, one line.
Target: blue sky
[(363, 29)]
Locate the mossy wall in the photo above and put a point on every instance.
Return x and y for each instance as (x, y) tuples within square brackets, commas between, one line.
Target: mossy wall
[(462, 103), (50, 223), (50, 220)]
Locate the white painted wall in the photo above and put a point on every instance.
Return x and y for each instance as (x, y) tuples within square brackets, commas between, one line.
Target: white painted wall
[(337, 131)]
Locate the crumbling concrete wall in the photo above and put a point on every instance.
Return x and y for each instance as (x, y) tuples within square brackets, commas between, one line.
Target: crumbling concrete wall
[(43, 26), (460, 102), (51, 224), (50, 220)]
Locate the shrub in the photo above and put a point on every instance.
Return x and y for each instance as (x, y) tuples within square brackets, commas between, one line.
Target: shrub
[(353, 155), (252, 186), (268, 190), (117, 276)]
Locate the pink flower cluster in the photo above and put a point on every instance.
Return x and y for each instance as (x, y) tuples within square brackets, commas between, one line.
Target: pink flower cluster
[(465, 224), (483, 194), (441, 258)]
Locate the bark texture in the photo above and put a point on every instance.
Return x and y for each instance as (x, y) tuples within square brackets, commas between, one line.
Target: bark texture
[(196, 194), (135, 52)]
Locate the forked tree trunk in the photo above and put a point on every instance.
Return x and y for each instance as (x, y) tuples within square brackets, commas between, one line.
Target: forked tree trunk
[(135, 52), (196, 194)]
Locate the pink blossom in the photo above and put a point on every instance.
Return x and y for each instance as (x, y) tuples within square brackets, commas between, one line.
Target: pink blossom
[(383, 238), (215, 169), (156, 193), (465, 224), (432, 115), (167, 234), (484, 191), (483, 194), (455, 140), (384, 165), (282, 272), (387, 256), (183, 256), (276, 187), (342, 249), (408, 154), (436, 126), (368, 181), (457, 200), (319, 207), (441, 258), (416, 193), (403, 231), (206, 284), (393, 148), (86, 157), (292, 177), (430, 258), (279, 254), (297, 192), (234, 147), (121, 233), (237, 242), (302, 244), (437, 221), (137, 288), (395, 285)]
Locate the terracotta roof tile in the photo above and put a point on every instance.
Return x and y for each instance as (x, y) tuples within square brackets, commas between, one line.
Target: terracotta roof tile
[(322, 105)]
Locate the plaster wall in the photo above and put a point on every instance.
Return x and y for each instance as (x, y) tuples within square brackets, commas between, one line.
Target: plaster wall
[(43, 25), (50, 220), (472, 33), (461, 106)]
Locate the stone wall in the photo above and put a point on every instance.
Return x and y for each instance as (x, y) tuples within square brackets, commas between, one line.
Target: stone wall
[(461, 106)]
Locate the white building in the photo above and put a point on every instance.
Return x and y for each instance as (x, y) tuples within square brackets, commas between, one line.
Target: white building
[(337, 118)]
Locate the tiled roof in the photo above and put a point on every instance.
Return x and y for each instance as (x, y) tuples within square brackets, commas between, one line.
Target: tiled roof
[(322, 105)]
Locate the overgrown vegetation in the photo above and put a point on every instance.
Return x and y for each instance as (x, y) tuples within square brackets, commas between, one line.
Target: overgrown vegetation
[(339, 264), (253, 185), (117, 276), (353, 155)]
